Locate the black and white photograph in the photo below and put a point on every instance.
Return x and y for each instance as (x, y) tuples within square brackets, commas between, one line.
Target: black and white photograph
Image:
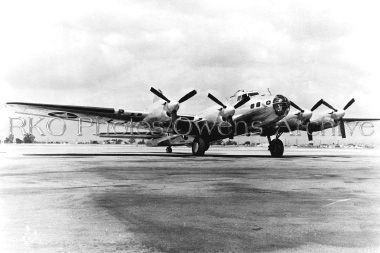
[(189, 126)]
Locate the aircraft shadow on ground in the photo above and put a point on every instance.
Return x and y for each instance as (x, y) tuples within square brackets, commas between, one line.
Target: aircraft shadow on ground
[(175, 154)]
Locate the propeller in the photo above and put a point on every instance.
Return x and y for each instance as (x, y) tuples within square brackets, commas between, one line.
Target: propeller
[(309, 136), (187, 96), (305, 114), (228, 111), (296, 106), (317, 105), (242, 102), (349, 104), (216, 100), (172, 106), (329, 106), (159, 94), (338, 114)]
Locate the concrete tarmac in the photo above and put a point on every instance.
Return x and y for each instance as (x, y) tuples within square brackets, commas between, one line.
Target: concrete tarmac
[(120, 198)]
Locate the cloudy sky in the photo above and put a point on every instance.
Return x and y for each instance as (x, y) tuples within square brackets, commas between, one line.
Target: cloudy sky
[(108, 53)]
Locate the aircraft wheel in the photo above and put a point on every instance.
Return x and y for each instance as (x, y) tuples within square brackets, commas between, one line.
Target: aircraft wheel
[(199, 147), (276, 148), (169, 149)]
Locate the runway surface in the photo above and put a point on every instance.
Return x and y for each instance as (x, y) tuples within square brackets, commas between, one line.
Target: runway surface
[(120, 198)]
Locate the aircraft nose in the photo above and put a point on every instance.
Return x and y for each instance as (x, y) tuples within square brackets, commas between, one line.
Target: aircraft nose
[(281, 105)]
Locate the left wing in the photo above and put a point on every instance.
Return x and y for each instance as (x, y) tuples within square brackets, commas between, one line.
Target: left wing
[(71, 112)]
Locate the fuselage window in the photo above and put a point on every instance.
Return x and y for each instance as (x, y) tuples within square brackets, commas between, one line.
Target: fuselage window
[(268, 102), (252, 106), (258, 104)]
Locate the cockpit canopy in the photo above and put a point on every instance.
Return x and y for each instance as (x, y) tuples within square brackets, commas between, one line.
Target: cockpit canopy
[(281, 105), (241, 93)]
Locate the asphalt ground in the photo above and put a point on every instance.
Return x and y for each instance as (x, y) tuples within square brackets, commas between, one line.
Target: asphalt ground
[(120, 198)]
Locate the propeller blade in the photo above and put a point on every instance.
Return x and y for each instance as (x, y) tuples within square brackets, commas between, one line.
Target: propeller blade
[(159, 94), (317, 105), (309, 132), (342, 128), (349, 104), (242, 102), (296, 106), (310, 136), (216, 100), (329, 106), (187, 96), (174, 116), (231, 121)]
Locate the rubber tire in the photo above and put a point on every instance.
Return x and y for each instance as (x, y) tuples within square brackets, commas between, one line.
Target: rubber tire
[(276, 148), (169, 150), (198, 147)]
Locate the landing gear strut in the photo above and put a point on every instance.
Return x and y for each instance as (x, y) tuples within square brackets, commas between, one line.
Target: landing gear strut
[(207, 146), (169, 149), (199, 146), (276, 147)]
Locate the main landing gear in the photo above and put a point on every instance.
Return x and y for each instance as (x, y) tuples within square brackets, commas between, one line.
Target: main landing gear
[(169, 149), (276, 147), (200, 146)]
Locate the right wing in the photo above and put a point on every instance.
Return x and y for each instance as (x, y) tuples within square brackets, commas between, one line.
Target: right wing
[(359, 119), (71, 112)]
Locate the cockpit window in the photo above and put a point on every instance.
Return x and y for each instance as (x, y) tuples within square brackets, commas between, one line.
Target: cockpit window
[(251, 94)]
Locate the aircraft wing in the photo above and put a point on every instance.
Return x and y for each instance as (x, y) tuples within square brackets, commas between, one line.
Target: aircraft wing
[(359, 119), (124, 135), (170, 140), (70, 112)]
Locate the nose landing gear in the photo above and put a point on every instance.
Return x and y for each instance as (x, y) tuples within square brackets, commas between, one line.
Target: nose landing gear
[(276, 147)]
